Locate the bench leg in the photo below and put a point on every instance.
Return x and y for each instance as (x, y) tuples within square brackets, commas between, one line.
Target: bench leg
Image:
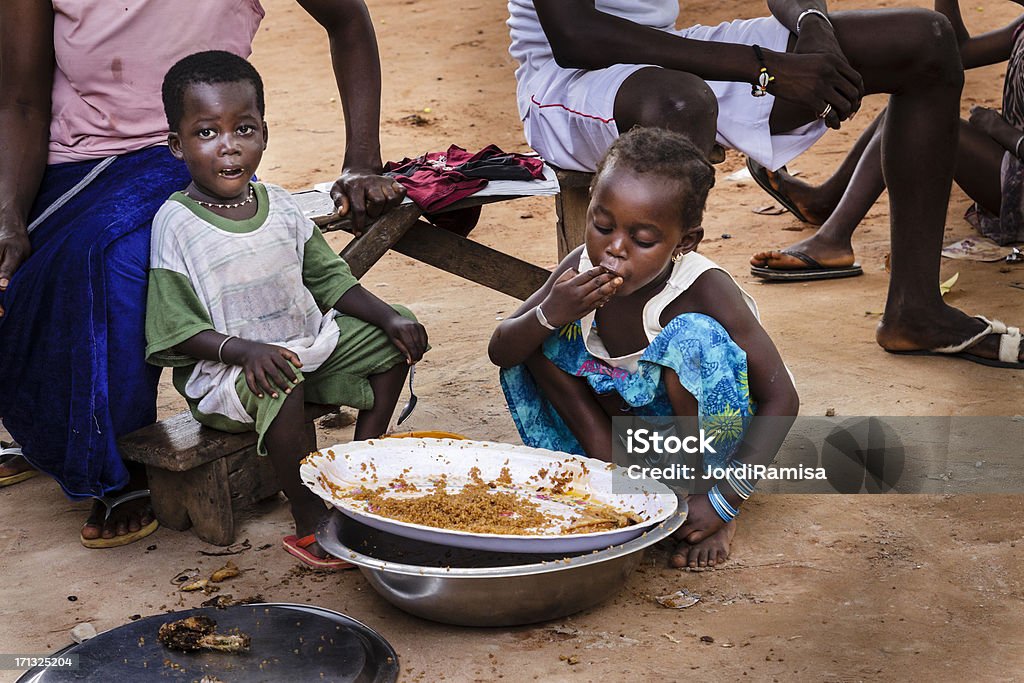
[(571, 208), (207, 495), (165, 489)]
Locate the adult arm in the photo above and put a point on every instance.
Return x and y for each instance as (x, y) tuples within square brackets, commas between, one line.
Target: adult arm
[(582, 37), (360, 190), (988, 48), (26, 78), (992, 123)]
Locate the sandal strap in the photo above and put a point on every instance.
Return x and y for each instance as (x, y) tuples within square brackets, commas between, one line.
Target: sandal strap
[(306, 541), (1009, 345), (971, 341), (111, 503)]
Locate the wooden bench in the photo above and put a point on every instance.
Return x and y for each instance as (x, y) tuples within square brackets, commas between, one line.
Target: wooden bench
[(404, 230), (199, 477)]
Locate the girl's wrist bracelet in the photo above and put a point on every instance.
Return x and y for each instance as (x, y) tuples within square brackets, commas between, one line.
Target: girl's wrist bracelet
[(220, 349), (722, 507), (542, 319)]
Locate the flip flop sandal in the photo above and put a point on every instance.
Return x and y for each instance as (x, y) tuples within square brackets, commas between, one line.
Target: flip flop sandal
[(760, 175), (812, 271), (295, 546), (7, 453), (1009, 347), (124, 539)]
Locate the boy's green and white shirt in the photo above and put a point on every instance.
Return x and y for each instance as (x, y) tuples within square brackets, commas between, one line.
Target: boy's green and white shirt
[(269, 279)]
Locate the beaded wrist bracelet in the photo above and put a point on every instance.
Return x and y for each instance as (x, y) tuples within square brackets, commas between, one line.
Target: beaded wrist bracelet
[(760, 87)]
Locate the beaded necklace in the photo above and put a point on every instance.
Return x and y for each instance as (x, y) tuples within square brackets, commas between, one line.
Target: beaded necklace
[(214, 205)]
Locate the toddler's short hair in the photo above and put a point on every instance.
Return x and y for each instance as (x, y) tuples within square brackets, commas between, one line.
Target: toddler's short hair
[(670, 155), (212, 66)]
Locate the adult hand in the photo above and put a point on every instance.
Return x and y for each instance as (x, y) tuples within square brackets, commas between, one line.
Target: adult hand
[(986, 119), (701, 520), (365, 194), (408, 335), (267, 367), (14, 249), (818, 75), (575, 294)]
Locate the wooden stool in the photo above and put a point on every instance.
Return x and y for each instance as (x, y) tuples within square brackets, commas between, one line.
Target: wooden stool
[(571, 209), (199, 476)]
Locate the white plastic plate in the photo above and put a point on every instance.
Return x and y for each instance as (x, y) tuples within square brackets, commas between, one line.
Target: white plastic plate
[(421, 462)]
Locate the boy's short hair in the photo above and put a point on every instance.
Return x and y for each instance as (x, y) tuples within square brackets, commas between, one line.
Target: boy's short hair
[(670, 155), (212, 66)]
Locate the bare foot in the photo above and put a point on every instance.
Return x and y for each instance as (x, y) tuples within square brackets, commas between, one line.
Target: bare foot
[(905, 330), (706, 554), (828, 254)]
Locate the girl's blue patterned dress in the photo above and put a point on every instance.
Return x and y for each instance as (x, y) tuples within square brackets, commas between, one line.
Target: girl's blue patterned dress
[(709, 364)]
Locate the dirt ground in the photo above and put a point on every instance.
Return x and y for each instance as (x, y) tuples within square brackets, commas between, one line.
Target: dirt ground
[(834, 588)]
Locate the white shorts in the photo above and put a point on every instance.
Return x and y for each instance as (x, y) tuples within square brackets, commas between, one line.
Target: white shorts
[(570, 119)]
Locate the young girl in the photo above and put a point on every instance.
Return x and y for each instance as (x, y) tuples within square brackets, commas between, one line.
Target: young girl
[(248, 302), (635, 322)]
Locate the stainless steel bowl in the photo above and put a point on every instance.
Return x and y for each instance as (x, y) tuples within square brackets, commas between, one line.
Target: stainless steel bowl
[(477, 588)]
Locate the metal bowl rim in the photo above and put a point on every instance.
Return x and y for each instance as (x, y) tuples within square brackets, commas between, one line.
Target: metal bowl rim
[(648, 538)]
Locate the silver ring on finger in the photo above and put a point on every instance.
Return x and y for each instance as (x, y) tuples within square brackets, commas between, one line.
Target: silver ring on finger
[(826, 111)]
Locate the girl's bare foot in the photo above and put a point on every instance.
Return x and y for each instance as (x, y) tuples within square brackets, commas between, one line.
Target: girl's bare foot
[(706, 554)]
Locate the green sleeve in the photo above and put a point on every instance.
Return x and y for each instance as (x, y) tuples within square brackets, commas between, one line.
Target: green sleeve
[(325, 274), (174, 313)]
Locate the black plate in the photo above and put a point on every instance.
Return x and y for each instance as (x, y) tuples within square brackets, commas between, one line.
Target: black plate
[(289, 643)]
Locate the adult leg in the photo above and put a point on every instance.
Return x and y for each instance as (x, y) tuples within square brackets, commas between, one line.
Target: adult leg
[(818, 202), (979, 162), (133, 383), (831, 245), (913, 55), (675, 100)]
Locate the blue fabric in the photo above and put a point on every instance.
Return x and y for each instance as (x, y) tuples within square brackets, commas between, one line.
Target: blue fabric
[(73, 375), (710, 365)]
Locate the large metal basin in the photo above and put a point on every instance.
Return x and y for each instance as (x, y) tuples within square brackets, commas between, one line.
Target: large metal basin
[(478, 588)]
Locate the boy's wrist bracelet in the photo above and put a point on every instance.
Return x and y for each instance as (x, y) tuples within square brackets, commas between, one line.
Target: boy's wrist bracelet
[(760, 86), (1016, 149), (220, 349), (542, 319), (726, 511), (816, 12)]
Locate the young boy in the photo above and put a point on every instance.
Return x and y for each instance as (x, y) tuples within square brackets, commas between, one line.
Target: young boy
[(239, 286)]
